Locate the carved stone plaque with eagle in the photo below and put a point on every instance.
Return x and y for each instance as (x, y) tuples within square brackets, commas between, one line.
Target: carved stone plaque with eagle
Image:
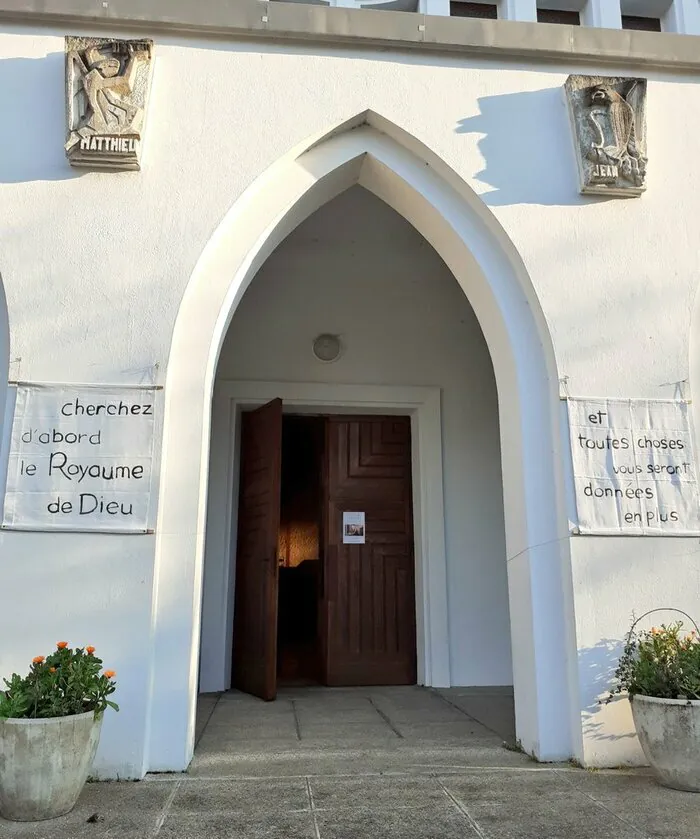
[(608, 118)]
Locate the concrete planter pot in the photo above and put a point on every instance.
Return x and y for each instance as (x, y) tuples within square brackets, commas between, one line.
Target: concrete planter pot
[(669, 733), (44, 764)]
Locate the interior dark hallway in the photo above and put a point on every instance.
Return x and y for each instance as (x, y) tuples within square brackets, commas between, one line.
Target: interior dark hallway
[(299, 551)]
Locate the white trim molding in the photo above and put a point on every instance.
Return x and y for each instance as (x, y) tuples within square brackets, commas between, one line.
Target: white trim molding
[(362, 28), (423, 406)]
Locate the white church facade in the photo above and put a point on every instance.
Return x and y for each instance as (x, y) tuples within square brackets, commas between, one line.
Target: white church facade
[(379, 319)]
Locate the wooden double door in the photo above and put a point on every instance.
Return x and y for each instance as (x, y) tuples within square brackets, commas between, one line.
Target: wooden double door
[(366, 608)]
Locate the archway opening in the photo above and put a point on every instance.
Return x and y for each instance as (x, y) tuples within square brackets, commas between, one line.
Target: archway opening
[(411, 179), (355, 269)]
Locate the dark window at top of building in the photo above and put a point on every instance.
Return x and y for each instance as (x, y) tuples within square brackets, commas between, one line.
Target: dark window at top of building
[(482, 10), (647, 24), (558, 16)]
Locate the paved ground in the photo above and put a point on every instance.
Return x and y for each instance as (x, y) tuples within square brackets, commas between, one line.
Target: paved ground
[(386, 763)]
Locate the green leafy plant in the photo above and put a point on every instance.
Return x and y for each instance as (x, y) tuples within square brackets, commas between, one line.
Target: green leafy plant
[(663, 662), (68, 681)]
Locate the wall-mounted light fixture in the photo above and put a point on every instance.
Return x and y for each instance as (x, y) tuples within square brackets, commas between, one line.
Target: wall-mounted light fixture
[(327, 348)]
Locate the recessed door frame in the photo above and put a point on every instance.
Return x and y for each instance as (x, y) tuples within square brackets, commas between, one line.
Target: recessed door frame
[(422, 404)]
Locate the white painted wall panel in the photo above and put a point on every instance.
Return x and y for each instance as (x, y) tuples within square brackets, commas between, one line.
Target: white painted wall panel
[(103, 238), (614, 578), (84, 589)]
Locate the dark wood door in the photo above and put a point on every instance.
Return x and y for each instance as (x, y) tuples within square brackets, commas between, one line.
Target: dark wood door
[(255, 608), (369, 626)]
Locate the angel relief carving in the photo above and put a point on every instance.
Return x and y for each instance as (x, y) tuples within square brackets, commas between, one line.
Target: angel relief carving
[(608, 120), (107, 85)]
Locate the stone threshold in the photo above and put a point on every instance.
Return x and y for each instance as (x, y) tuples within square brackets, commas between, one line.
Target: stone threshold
[(368, 28)]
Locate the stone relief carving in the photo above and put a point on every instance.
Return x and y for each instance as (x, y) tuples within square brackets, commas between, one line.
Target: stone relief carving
[(608, 117), (107, 84)]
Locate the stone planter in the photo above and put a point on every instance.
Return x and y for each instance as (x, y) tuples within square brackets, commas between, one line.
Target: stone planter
[(669, 733), (44, 764)]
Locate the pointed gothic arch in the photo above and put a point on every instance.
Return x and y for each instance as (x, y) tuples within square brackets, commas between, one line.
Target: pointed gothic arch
[(370, 151)]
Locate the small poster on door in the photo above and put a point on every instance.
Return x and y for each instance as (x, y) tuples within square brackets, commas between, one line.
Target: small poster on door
[(353, 528)]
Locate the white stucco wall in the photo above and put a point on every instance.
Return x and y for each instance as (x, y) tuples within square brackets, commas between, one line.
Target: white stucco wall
[(95, 266), (650, 573), (504, 129), (357, 269)]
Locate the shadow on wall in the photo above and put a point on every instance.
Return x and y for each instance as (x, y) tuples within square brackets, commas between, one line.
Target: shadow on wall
[(597, 667), (32, 144), (527, 148)]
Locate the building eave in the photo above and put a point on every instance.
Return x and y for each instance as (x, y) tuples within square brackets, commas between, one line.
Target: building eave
[(499, 39)]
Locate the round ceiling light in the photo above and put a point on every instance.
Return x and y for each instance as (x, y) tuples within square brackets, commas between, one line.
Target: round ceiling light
[(327, 348)]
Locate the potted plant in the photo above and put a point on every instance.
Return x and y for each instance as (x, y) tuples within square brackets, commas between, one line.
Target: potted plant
[(50, 723), (660, 671)]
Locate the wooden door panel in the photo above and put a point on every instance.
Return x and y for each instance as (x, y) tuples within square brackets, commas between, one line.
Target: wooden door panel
[(369, 600), (255, 609), (376, 450)]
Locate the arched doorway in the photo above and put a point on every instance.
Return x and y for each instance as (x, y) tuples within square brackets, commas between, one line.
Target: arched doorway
[(414, 182), (411, 353)]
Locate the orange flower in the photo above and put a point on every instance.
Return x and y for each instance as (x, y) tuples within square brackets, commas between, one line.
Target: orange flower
[(89, 650), (52, 669), (39, 659), (110, 674), (62, 645)]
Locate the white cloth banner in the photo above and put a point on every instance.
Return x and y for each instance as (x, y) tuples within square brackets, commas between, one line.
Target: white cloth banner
[(81, 458), (634, 467)]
